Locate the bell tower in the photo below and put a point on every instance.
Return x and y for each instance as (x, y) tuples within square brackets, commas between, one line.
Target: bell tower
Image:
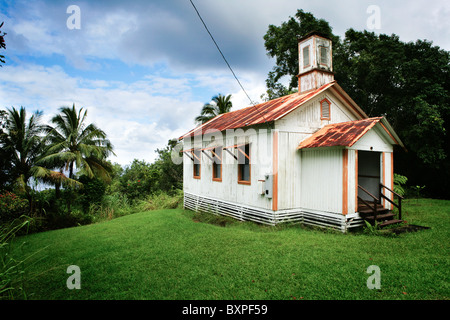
[(315, 62)]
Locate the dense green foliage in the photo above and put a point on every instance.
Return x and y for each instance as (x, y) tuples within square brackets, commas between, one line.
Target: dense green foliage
[(35, 153), (11, 207), (21, 140), (408, 83), (141, 179), (72, 157), (172, 254)]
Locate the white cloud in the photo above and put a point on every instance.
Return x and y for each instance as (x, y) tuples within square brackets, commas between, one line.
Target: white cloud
[(138, 117)]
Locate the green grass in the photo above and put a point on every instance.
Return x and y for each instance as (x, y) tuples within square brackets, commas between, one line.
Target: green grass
[(170, 254)]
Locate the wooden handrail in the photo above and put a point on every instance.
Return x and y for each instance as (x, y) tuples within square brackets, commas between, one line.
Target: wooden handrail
[(386, 198), (375, 201), (399, 205), (371, 195), (391, 191)]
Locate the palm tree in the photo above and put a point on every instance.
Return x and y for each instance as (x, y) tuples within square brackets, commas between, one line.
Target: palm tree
[(75, 144), (25, 145), (220, 104)]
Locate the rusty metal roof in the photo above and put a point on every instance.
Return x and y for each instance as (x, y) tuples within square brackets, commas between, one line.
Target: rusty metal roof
[(260, 113), (346, 134)]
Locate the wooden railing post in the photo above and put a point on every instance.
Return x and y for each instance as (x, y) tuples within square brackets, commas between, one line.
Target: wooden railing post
[(375, 209)]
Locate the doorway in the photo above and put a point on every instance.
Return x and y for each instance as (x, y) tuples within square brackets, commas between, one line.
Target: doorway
[(369, 174)]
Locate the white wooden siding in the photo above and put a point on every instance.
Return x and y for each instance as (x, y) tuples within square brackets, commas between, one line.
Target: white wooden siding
[(351, 183), (374, 140), (388, 178), (321, 179), (292, 178), (306, 119), (289, 170), (229, 189)]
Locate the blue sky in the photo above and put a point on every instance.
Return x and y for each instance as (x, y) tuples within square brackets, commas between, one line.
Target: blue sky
[(144, 68)]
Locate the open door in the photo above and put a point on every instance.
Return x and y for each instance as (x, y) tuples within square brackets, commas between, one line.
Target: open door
[(369, 174)]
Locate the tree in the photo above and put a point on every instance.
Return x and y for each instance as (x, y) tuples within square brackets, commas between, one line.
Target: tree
[(23, 143), (24, 146), (220, 104), (75, 144), (138, 180), (408, 83), (2, 44), (170, 175), (281, 44), (5, 156)]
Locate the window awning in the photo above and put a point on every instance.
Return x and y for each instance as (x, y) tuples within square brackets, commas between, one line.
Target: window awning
[(241, 150), (212, 149), (235, 146), (192, 152)]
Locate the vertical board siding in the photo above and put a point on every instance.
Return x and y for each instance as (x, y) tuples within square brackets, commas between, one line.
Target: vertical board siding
[(321, 180), (356, 182), (275, 154), (392, 176), (289, 170), (373, 141), (388, 178), (308, 115), (229, 189), (383, 178), (352, 183), (344, 181)]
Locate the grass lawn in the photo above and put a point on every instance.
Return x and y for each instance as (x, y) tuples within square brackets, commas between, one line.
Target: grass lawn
[(165, 254)]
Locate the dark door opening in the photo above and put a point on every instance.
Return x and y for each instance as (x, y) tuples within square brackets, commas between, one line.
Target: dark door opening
[(369, 174)]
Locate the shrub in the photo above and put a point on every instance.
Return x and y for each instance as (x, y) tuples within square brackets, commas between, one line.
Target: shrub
[(399, 182), (11, 207), (162, 200), (111, 206), (138, 179), (92, 192)]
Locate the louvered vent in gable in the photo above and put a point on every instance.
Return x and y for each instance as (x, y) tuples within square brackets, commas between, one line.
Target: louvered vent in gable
[(325, 109)]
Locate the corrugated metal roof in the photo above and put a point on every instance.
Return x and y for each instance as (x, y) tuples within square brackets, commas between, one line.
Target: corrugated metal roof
[(343, 134), (260, 113)]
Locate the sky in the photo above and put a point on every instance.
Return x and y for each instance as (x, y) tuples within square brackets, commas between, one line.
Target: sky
[(143, 69)]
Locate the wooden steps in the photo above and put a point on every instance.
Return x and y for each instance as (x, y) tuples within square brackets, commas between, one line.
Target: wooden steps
[(384, 217), (389, 222)]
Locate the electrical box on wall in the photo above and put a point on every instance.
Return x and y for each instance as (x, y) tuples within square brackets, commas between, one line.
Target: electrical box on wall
[(261, 187), (268, 185)]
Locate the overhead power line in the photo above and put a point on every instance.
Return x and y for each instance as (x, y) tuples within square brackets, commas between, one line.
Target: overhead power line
[(217, 46)]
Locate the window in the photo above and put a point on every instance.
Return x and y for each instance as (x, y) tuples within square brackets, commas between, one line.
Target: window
[(244, 170), (323, 56), (306, 57), (217, 164), (325, 110), (197, 163)]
